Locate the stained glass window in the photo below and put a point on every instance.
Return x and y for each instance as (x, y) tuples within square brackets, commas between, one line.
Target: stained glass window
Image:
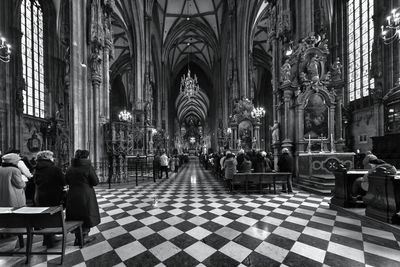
[(32, 57), (361, 35)]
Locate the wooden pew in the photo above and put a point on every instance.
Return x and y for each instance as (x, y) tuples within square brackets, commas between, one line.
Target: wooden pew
[(257, 181), (48, 221)]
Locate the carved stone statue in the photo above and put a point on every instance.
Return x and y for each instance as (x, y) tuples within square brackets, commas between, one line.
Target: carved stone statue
[(95, 61), (336, 73), (275, 132), (285, 72), (312, 69)]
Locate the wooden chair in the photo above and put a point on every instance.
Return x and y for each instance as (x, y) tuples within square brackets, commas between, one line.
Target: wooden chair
[(11, 224), (53, 223)]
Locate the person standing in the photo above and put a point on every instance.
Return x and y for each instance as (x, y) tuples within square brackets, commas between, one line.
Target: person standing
[(164, 164), (230, 164), (285, 164), (156, 165), (81, 199), (49, 186), (12, 186)]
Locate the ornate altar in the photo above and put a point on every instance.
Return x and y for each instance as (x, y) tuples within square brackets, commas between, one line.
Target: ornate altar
[(309, 112), (245, 129)]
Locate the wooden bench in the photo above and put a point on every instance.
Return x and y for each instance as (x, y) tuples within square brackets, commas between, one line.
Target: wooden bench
[(48, 221), (258, 181)]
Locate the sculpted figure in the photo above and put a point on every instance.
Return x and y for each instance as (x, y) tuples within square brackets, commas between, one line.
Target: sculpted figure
[(275, 132), (285, 72)]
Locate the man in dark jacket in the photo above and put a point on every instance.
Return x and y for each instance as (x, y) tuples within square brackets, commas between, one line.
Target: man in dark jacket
[(49, 185), (81, 199), (285, 164)]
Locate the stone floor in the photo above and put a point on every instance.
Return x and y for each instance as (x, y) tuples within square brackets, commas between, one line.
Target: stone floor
[(191, 220)]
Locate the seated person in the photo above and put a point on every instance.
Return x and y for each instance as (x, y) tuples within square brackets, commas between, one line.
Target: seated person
[(360, 185), (246, 165), (368, 157)]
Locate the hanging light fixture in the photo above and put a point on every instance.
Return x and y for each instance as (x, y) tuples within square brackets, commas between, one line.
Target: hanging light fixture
[(125, 115), (5, 50), (391, 29), (257, 113), (189, 84)]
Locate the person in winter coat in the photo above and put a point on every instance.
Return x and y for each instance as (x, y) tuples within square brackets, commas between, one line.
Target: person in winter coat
[(230, 164), (285, 164), (12, 186), (81, 199), (49, 186)]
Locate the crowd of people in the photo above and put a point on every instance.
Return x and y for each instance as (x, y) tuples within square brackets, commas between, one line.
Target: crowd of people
[(49, 186), (164, 164), (226, 164)]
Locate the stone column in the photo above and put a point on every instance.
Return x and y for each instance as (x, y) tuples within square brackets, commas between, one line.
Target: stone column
[(257, 135), (287, 95)]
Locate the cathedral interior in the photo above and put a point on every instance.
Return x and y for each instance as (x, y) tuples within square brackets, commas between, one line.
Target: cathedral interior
[(130, 79)]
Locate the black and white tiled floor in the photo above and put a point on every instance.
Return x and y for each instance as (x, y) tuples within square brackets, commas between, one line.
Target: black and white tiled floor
[(190, 220)]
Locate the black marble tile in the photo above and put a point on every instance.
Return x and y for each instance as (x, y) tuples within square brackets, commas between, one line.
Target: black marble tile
[(142, 215), (280, 241), (232, 216), (164, 215), (215, 241), (183, 240), (381, 241), (181, 259), (257, 260), (187, 215), (133, 226), (152, 240), (107, 225), (289, 208), (293, 259), (325, 215), (301, 215), (255, 216), (347, 241), (335, 260), (121, 240), (168, 208), (145, 259), (247, 241), (293, 226), (206, 208), (238, 226), (320, 226), (375, 260), (208, 215), (244, 207), (348, 226), (107, 259), (158, 226), (314, 241), (185, 226), (120, 215), (211, 226), (265, 226), (227, 208), (276, 215), (221, 260)]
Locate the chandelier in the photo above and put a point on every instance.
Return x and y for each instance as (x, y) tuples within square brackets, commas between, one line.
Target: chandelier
[(257, 113), (189, 85), (125, 115), (391, 30), (5, 50)]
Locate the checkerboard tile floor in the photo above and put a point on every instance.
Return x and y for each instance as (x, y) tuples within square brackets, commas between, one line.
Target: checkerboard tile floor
[(190, 220)]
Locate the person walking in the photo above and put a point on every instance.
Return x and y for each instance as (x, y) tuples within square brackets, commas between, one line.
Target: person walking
[(49, 186), (81, 199), (164, 164), (12, 186)]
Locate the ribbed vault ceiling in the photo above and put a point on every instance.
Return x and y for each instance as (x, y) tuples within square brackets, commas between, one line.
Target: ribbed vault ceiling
[(197, 106)]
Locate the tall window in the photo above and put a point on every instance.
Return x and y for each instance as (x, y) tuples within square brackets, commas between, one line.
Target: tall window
[(361, 35), (32, 57)]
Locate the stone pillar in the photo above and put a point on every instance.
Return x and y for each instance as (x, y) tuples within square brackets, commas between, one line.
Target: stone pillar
[(287, 95), (257, 135)]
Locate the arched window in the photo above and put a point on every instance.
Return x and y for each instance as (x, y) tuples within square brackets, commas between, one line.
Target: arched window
[(32, 57), (361, 37)]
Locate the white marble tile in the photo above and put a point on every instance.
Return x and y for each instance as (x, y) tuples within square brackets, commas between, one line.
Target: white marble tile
[(173, 220), (247, 220), (197, 212), (198, 220), (239, 211), (106, 219), (165, 250), (257, 233), (272, 220), (271, 251), (130, 250), (287, 233), (304, 211), (176, 211), (135, 211), (317, 233), (141, 232), (200, 251), (156, 210), (347, 233), (149, 220), (235, 251), (347, 252), (227, 232), (170, 232), (113, 232), (95, 250), (309, 251), (378, 233), (222, 220), (261, 211), (115, 211), (126, 220), (218, 212), (198, 232), (322, 220), (297, 220), (382, 251), (327, 211), (283, 211)]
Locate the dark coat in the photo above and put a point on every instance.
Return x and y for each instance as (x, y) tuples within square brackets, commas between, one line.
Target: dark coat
[(49, 183), (285, 163), (81, 199)]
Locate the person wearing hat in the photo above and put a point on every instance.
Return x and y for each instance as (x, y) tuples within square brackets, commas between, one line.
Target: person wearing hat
[(49, 185), (368, 157), (361, 185), (12, 186), (285, 164)]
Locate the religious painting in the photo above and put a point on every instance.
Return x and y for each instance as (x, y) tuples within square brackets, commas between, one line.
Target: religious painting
[(316, 117), (245, 134)]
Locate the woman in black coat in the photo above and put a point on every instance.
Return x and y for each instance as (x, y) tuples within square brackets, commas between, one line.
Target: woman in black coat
[(49, 185), (81, 199), (285, 164)]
